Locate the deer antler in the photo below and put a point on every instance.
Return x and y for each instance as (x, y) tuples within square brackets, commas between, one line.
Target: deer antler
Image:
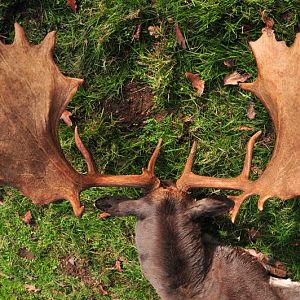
[(277, 86), (33, 96)]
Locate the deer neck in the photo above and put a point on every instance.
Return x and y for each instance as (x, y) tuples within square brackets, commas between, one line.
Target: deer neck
[(173, 255)]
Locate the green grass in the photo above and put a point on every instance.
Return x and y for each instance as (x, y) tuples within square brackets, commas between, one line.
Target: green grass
[(96, 44)]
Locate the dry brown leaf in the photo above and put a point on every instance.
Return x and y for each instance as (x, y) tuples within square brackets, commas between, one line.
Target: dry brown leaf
[(197, 83), (72, 4), (154, 31), (103, 215), (27, 217), (276, 268), (118, 266), (251, 111), (229, 63), (102, 291), (179, 37), (235, 78), (269, 22), (245, 128), (66, 117), (137, 33), (24, 253), (256, 170), (31, 288)]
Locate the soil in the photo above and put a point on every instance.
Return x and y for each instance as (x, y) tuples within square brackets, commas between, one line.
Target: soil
[(134, 107), (75, 267)]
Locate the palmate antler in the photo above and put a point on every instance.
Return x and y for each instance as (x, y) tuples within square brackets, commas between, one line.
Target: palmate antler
[(278, 87), (33, 96)]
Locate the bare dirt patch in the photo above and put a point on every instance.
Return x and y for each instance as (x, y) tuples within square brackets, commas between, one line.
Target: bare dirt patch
[(78, 268), (134, 106)]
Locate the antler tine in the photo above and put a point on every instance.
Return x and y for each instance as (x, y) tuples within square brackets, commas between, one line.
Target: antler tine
[(190, 180), (92, 169), (154, 157), (20, 36), (146, 180)]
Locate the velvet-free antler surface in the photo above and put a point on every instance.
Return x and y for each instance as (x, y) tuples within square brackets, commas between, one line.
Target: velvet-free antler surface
[(278, 88), (33, 96)]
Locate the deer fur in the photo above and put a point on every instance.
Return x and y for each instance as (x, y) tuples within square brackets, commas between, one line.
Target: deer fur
[(182, 262)]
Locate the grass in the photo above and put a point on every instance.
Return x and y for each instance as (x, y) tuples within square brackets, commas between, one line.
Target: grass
[(96, 44)]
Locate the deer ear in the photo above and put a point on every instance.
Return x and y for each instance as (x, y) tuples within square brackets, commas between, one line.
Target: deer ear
[(209, 207), (120, 206)]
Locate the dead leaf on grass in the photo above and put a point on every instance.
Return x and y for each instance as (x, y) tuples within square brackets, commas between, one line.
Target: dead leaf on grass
[(24, 253), (276, 268), (27, 217), (245, 128), (179, 37), (235, 78), (197, 83), (269, 22), (256, 170), (31, 288), (154, 31), (102, 291), (118, 266), (229, 63), (137, 33), (72, 4), (251, 111), (66, 118), (103, 215)]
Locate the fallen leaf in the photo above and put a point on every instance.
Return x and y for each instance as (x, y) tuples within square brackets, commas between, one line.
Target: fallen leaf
[(154, 31), (31, 288), (245, 128), (256, 170), (102, 291), (276, 268), (269, 22), (251, 111), (66, 117), (229, 63), (235, 78), (287, 16), (24, 253), (197, 83), (137, 33), (118, 266), (27, 217), (179, 37), (103, 215), (72, 4)]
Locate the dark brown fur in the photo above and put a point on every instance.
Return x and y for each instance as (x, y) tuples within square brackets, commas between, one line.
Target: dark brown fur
[(180, 261)]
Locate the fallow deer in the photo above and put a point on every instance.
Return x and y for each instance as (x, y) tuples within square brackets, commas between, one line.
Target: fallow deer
[(33, 97), (183, 263)]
